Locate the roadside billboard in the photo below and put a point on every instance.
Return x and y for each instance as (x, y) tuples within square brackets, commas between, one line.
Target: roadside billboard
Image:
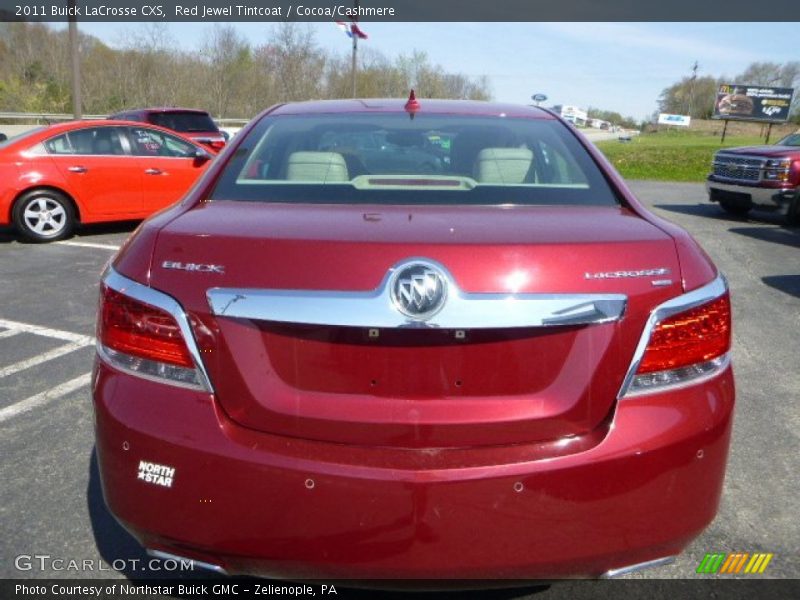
[(680, 120), (753, 103)]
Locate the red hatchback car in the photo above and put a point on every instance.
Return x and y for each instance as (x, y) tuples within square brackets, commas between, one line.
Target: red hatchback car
[(54, 177), (435, 339)]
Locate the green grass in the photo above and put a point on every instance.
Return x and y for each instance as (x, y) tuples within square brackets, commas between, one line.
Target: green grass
[(669, 155)]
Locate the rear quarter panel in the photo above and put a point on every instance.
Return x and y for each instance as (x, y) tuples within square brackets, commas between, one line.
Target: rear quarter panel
[(696, 266)]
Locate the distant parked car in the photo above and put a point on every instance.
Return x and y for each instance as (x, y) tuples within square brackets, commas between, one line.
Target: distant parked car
[(764, 177), (195, 124), (91, 171)]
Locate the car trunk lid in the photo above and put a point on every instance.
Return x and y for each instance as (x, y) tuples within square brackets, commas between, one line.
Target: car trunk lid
[(371, 383)]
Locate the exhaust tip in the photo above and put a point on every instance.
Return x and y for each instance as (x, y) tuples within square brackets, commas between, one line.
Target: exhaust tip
[(176, 557), (612, 573)]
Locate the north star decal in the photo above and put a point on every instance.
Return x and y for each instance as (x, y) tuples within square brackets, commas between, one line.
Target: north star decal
[(193, 267), (156, 474), (623, 274)]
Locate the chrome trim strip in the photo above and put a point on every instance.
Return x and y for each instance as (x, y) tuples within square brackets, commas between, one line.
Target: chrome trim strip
[(659, 562), (375, 308), (148, 295), (687, 301), (176, 557)]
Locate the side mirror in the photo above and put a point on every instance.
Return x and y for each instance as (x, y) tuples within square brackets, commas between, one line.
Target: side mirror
[(3, 137), (202, 155)]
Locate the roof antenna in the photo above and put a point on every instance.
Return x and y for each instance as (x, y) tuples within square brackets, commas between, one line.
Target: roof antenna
[(412, 106)]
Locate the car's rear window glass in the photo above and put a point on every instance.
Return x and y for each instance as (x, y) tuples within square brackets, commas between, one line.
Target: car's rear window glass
[(431, 159), (183, 121), (20, 136), (89, 141)]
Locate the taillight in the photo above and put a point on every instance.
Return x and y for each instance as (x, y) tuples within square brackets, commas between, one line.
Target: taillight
[(141, 330), (683, 346), (690, 337), (216, 144), (144, 339)]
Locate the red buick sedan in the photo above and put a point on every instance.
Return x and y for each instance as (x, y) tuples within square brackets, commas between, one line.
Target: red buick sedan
[(53, 178), (435, 339)]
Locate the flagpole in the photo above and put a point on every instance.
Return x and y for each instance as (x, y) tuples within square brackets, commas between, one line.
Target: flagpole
[(354, 66)]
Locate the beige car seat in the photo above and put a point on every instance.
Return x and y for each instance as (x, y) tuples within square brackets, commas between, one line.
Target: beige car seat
[(504, 166), (323, 167)]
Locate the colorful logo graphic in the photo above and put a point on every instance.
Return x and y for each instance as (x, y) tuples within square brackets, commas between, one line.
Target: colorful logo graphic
[(736, 563)]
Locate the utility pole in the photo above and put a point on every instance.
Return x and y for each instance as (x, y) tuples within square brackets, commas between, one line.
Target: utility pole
[(695, 66), (354, 66), (77, 103)]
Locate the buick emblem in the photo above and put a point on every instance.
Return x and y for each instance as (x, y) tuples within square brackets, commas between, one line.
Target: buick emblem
[(419, 290)]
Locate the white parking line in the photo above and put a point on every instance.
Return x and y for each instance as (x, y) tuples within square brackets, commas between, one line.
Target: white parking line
[(90, 245), (76, 338), (37, 360), (75, 342), (44, 397)]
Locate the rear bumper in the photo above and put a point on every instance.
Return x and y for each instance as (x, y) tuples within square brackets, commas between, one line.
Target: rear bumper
[(761, 197), (262, 504)]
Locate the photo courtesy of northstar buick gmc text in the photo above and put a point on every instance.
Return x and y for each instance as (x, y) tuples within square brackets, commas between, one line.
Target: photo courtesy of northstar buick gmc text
[(390, 339)]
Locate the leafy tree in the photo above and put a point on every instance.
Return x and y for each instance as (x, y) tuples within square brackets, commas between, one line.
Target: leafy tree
[(229, 69), (612, 117), (228, 76), (693, 97)]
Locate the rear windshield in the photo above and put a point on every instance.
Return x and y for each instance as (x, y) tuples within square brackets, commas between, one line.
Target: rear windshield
[(183, 121), (430, 159), (20, 136)]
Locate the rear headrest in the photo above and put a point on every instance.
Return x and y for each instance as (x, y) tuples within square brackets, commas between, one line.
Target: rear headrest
[(503, 165), (327, 167), (102, 146), (82, 144)]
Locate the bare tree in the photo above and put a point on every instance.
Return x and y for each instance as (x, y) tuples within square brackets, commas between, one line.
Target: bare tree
[(229, 68), (298, 63)]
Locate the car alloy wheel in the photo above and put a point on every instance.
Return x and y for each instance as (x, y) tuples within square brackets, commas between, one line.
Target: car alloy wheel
[(44, 216)]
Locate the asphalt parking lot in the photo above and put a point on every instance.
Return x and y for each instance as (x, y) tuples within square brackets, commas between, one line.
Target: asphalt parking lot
[(50, 499)]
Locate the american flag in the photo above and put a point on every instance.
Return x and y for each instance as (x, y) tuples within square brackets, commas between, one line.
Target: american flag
[(351, 29)]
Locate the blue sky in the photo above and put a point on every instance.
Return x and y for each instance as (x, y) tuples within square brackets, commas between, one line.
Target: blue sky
[(613, 66)]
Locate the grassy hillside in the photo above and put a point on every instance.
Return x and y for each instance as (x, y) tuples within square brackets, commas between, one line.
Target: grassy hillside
[(670, 155)]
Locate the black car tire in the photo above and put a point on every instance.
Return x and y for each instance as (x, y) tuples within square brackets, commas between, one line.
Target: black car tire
[(793, 215), (44, 215), (735, 208)]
